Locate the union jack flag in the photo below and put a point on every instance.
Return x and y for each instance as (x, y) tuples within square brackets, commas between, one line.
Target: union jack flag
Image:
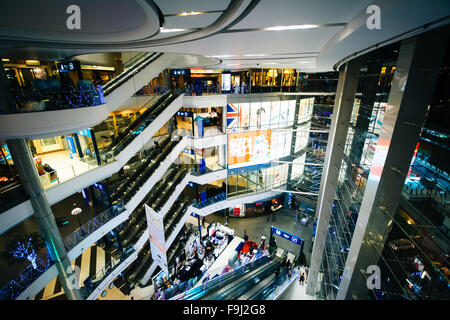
[(232, 118)]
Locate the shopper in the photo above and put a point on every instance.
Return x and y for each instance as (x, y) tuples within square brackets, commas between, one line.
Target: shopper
[(302, 278), (245, 236), (203, 221)]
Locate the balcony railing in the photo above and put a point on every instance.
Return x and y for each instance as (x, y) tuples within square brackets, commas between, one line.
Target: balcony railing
[(18, 285), (92, 225), (47, 95)]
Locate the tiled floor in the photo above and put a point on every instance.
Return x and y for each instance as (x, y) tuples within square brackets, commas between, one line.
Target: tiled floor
[(91, 262)]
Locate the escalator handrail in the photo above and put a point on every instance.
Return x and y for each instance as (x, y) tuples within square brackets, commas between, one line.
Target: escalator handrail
[(266, 269), (127, 74)]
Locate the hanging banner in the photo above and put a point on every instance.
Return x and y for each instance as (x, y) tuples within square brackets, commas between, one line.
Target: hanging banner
[(157, 239)]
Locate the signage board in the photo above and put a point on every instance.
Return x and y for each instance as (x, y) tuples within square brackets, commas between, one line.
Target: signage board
[(157, 239), (286, 235), (226, 81)]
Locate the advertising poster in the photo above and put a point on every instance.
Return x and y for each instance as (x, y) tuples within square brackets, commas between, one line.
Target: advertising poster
[(291, 112), (157, 240), (264, 116), (283, 113), (248, 148), (254, 114), (244, 115), (5, 151), (275, 114)]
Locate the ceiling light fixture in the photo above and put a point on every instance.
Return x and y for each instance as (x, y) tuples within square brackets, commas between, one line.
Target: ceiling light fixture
[(224, 56), (293, 27), (255, 55), (192, 13), (267, 63), (163, 30)]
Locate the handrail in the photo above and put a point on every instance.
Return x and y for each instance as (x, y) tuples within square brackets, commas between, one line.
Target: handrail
[(92, 225), (127, 74)]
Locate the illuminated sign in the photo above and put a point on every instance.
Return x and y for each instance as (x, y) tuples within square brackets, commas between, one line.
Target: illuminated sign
[(248, 148), (286, 235), (226, 81)]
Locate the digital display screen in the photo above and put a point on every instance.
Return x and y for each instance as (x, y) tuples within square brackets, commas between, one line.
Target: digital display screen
[(65, 67), (226, 81), (248, 148)]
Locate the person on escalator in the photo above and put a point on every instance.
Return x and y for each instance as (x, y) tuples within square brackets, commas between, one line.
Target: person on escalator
[(156, 145)]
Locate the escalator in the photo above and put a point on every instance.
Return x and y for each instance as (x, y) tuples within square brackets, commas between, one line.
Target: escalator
[(174, 216), (141, 173), (162, 195), (136, 65), (263, 289), (223, 282), (137, 126), (235, 289)]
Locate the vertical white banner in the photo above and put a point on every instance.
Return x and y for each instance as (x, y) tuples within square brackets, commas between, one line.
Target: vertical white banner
[(157, 239)]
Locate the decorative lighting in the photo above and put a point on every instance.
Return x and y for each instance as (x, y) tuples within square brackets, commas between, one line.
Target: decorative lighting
[(293, 27), (5, 60), (163, 30), (32, 62)]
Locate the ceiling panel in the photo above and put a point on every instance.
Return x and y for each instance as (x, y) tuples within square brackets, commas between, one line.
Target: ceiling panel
[(171, 7), (294, 12), (257, 42), (196, 21)]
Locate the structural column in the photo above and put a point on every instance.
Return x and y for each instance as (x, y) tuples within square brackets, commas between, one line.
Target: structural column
[(418, 65), (29, 178), (343, 106)]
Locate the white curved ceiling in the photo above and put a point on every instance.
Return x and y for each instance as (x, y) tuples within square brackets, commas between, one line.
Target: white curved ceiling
[(324, 32)]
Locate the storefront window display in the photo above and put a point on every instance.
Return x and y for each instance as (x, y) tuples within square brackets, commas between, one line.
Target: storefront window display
[(259, 180), (260, 115)]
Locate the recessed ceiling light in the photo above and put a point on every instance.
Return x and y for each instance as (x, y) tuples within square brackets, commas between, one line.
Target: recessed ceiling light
[(163, 30), (224, 56), (267, 63), (255, 55), (192, 13), (304, 61), (293, 27)]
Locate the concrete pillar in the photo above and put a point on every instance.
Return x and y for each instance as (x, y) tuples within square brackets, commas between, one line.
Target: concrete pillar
[(343, 105), (29, 178)]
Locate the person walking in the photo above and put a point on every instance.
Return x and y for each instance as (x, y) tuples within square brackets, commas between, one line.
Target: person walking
[(245, 236), (302, 278)]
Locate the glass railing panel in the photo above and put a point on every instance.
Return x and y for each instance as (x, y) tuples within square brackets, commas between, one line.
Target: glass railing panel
[(48, 95), (11, 196), (92, 225), (91, 283), (18, 285)]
